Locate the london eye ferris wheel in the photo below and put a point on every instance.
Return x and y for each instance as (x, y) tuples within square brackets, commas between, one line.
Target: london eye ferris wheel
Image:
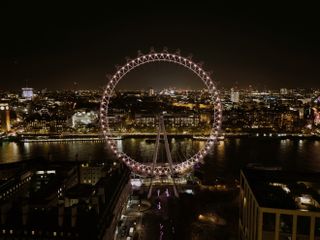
[(154, 168)]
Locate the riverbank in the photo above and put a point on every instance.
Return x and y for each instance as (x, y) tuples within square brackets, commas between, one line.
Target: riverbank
[(97, 137)]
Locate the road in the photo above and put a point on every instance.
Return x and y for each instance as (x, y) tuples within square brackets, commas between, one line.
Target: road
[(170, 218)]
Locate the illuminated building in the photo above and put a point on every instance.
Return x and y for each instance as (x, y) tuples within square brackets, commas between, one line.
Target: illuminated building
[(316, 117), (5, 117), (283, 91), (91, 173), (151, 92), (84, 118), (183, 120), (279, 205), (301, 113), (175, 120), (288, 119), (27, 93), (45, 124), (234, 95), (145, 119)]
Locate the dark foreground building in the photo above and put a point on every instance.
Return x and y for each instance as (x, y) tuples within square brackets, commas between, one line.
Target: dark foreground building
[(50, 201), (278, 205)]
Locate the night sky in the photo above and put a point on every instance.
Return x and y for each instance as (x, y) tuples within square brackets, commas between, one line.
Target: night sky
[(57, 45)]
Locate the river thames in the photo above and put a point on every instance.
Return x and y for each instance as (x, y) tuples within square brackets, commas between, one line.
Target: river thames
[(224, 160)]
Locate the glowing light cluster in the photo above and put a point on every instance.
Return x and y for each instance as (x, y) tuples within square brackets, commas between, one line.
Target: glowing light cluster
[(145, 169)]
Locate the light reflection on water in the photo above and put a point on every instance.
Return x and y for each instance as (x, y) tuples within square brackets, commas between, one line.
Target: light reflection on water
[(143, 150), (225, 159), (9, 152)]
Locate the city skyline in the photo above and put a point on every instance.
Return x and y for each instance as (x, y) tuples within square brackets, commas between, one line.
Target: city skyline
[(159, 120), (57, 46)]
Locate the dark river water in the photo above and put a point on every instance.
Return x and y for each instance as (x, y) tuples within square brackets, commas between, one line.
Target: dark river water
[(224, 160)]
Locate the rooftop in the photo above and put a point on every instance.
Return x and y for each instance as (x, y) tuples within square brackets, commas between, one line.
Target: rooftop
[(285, 189), (80, 191)]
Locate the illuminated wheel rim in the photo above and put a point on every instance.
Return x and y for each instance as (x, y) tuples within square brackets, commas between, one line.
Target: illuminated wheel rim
[(160, 169)]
